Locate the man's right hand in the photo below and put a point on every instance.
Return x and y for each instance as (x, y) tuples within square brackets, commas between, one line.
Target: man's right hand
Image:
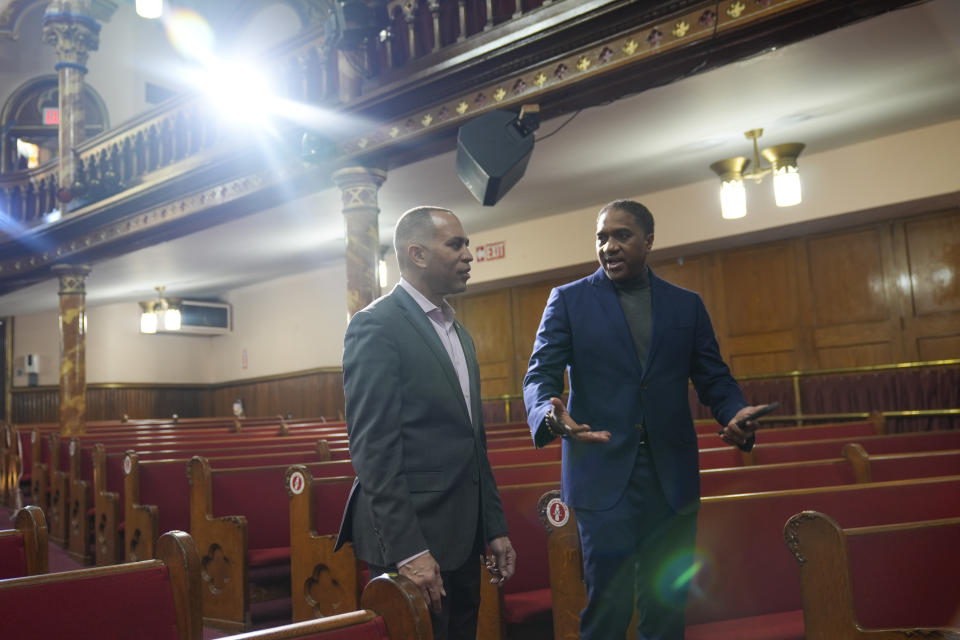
[(425, 573), (578, 432)]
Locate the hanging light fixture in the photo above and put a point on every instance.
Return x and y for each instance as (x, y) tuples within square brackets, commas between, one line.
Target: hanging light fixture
[(160, 312), (783, 166), (150, 9)]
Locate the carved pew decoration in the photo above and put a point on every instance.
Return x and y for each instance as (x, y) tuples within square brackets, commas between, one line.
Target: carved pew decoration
[(107, 542), (24, 550), (155, 599), (322, 583), (39, 472), (849, 577), (563, 547), (141, 521), (57, 512)]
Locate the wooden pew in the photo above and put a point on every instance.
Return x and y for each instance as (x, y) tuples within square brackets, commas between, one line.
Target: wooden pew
[(883, 582), (830, 448), (23, 549), (85, 471), (744, 579), (150, 600), (157, 496), (874, 427), (393, 609), (322, 583), (245, 545)]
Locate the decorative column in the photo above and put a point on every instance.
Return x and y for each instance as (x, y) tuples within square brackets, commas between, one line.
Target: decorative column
[(73, 343), (359, 186), (74, 35)]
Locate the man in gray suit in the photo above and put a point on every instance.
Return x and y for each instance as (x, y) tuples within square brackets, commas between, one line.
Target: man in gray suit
[(424, 503)]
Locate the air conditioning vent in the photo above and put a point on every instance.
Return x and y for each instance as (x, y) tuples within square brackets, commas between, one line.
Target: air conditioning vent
[(203, 318)]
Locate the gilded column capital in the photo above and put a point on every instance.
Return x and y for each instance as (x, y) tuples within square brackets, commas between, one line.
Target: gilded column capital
[(72, 35), (358, 187), (73, 278)]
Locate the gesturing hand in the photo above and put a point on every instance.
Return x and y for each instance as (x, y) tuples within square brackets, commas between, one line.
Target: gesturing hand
[(738, 436), (572, 430), (503, 563), (425, 573)]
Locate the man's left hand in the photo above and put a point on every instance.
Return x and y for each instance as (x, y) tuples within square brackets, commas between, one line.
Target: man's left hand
[(503, 561), (732, 434)]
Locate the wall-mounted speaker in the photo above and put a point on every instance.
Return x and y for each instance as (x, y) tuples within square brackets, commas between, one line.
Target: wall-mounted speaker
[(493, 151)]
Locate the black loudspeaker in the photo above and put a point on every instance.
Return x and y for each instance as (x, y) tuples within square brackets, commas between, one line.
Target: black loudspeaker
[(493, 151)]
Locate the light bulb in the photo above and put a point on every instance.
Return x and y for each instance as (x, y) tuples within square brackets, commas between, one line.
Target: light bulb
[(733, 199), (148, 322), (171, 320), (786, 186)]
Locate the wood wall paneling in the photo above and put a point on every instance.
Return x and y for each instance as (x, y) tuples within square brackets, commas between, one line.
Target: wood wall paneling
[(488, 318)]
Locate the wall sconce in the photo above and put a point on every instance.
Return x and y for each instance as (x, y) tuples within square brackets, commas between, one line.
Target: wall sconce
[(783, 166), (162, 310)]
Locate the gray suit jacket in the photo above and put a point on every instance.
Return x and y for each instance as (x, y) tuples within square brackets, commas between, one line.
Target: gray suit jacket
[(423, 477)]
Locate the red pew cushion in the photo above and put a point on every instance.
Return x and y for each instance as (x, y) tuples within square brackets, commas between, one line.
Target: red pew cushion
[(521, 607), (786, 625), (269, 557)]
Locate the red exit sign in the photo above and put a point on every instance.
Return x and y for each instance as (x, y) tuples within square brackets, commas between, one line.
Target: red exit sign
[(491, 251), (51, 115)]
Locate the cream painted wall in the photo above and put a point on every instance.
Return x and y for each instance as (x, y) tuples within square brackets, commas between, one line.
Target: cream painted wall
[(289, 324), (895, 169), (116, 350)]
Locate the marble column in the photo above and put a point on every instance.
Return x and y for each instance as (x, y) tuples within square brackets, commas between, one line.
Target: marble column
[(73, 342), (359, 186), (74, 35)]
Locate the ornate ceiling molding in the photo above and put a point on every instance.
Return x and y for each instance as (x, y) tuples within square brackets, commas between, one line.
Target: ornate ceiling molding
[(12, 14)]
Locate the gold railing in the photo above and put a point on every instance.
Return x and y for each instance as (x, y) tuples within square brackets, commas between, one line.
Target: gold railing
[(799, 416)]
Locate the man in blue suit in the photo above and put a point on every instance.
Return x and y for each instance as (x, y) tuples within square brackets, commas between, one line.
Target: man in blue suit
[(630, 342)]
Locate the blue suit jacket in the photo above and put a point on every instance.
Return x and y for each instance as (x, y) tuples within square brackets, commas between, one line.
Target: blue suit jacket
[(584, 330)]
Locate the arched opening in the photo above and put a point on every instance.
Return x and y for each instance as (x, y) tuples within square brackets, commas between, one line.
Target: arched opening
[(29, 122)]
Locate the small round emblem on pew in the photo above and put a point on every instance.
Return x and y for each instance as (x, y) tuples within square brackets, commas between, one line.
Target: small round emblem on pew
[(557, 512), (127, 465), (296, 483)]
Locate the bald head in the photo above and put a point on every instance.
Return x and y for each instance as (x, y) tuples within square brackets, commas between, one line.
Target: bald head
[(415, 226), (433, 252)]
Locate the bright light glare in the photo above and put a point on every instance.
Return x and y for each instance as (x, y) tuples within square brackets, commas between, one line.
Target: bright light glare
[(171, 320), (148, 322), (733, 199), (150, 9), (190, 34), (383, 273), (786, 186)]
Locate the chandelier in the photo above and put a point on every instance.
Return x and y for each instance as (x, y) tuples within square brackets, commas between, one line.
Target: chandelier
[(163, 312), (783, 166)]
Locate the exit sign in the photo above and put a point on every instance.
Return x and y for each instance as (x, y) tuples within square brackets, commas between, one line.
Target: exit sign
[(51, 115), (491, 251)]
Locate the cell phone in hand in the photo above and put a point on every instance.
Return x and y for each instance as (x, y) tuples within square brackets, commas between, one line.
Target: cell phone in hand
[(770, 408)]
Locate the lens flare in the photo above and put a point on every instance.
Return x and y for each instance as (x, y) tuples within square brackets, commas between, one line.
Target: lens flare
[(190, 34)]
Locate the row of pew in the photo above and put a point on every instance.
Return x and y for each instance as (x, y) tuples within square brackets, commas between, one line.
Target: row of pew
[(256, 543), (159, 599)]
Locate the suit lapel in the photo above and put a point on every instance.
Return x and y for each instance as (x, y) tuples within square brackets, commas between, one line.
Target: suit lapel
[(415, 315), (612, 312)]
